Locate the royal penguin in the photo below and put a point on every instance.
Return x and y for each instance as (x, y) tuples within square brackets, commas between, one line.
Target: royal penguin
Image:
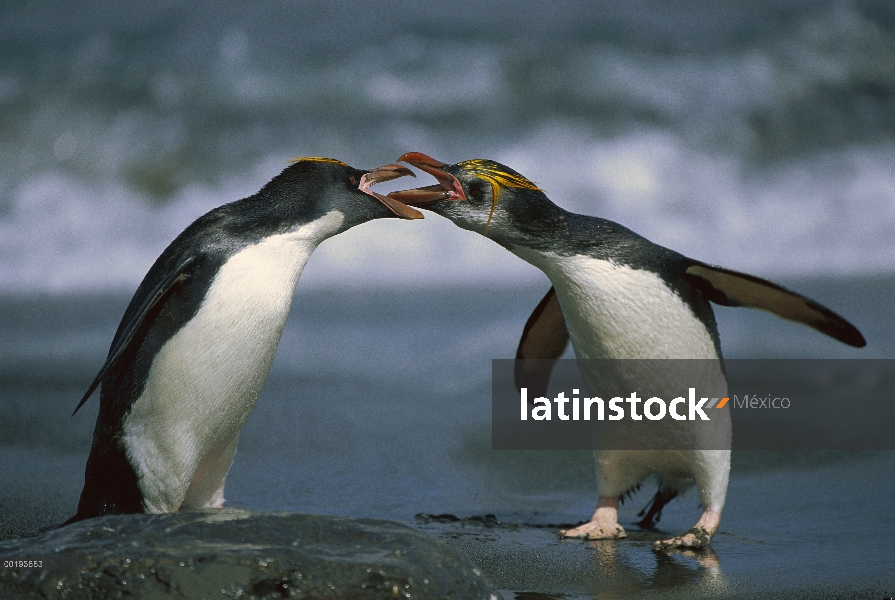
[(616, 295), (197, 340)]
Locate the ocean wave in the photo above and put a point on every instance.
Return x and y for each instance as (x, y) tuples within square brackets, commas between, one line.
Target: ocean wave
[(759, 139), (831, 214)]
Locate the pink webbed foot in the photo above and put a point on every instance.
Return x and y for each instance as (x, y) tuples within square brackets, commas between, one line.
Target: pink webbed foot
[(698, 537), (596, 530), (602, 526)]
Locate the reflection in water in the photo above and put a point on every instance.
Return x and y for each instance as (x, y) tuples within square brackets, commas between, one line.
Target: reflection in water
[(694, 572), (707, 578)]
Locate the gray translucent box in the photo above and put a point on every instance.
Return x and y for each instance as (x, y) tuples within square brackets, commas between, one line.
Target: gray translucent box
[(693, 404)]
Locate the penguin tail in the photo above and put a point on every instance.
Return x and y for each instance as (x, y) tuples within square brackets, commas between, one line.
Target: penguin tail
[(652, 512)]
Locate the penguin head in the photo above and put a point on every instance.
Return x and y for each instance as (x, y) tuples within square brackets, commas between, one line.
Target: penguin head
[(496, 201), (311, 187)]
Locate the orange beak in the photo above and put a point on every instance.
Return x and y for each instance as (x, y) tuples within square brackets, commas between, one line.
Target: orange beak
[(448, 187), (387, 173)]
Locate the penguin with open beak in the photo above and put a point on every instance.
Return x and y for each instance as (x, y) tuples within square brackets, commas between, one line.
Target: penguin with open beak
[(196, 343), (616, 295)]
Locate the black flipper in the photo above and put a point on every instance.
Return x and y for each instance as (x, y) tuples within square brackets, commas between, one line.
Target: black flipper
[(545, 337), (730, 288), (127, 334)]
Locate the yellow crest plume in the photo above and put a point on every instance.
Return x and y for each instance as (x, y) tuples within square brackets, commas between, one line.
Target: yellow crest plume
[(316, 159), (494, 174)]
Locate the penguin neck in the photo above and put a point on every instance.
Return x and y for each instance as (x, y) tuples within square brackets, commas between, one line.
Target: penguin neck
[(274, 262), (535, 226), (285, 254), (538, 236)]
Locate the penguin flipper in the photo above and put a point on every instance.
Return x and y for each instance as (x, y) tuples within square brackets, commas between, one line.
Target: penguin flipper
[(544, 337), (157, 295), (730, 288)]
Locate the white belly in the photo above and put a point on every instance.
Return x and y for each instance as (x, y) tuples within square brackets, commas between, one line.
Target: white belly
[(205, 380), (616, 312)]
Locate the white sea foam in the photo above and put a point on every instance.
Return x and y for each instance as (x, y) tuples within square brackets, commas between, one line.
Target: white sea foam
[(758, 142), (830, 214)]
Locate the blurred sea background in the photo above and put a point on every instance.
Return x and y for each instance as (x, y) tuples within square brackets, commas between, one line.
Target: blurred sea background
[(759, 136)]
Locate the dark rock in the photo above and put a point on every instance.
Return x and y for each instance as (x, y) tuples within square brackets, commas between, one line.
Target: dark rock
[(444, 518), (486, 521), (238, 554)]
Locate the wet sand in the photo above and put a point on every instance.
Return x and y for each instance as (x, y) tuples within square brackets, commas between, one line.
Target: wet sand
[(779, 536), (368, 418)]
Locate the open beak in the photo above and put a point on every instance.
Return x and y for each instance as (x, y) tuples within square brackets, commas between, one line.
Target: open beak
[(448, 187), (387, 173)]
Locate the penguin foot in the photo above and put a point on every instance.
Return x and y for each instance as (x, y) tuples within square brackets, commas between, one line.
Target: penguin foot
[(695, 538), (596, 530), (602, 526), (698, 537)]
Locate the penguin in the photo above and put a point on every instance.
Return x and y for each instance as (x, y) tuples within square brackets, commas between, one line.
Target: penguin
[(197, 340), (615, 295)]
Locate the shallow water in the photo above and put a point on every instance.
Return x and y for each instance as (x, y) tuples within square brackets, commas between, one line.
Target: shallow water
[(379, 405)]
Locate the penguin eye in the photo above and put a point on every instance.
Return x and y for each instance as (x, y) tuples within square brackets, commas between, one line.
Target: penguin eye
[(353, 180), (476, 190)]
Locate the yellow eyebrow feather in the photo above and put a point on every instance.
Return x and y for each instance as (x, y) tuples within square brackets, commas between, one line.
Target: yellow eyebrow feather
[(317, 159), (498, 178)]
